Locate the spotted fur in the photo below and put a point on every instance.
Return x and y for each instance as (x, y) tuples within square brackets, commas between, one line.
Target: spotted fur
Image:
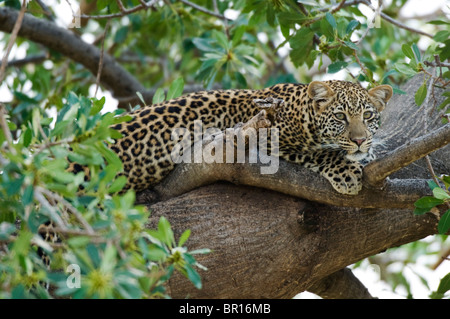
[(325, 126)]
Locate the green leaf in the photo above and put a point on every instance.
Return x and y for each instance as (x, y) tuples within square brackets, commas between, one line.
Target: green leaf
[(438, 22), (432, 185), (159, 96), (351, 45), (111, 157), (421, 94), (78, 241), (444, 285), (121, 34), (27, 196), (331, 20), (109, 258), (193, 276), (420, 211), (97, 106), (221, 39), (407, 51), (387, 74), (416, 52), (444, 223), (302, 44), (71, 112), (139, 94), (155, 253), (439, 193), (444, 104), (441, 36), (446, 180), (118, 184), (14, 186), (405, 69), (204, 44), (184, 237), (351, 26), (166, 231), (27, 136), (201, 251), (35, 120), (175, 89), (22, 245), (427, 202), (337, 66)]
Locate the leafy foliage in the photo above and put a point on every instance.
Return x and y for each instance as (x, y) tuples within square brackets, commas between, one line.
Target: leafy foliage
[(229, 44), (104, 232)]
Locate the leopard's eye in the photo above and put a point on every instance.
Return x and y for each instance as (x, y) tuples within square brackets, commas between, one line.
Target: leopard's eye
[(368, 115), (340, 116)]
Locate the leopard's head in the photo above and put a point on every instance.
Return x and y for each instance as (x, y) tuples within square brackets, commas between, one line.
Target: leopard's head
[(347, 115)]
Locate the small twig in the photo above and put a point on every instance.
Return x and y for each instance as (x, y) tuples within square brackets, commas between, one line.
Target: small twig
[(41, 147), (441, 260), (377, 14), (37, 58), (441, 80), (5, 129), (69, 207), (53, 214), (204, 10), (338, 7), (143, 6), (94, 238), (120, 5), (12, 39), (363, 68), (395, 22), (45, 10), (403, 26), (433, 64), (100, 63)]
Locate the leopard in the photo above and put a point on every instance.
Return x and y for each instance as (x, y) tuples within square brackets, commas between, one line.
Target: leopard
[(325, 126)]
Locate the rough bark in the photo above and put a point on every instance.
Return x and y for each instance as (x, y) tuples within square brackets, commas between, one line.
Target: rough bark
[(267, 244)]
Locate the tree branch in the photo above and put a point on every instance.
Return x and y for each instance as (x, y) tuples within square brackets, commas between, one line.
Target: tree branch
[(113, 76), (204, 10), (382, 15), (123, 12), (377, 171), (15, 30), (301, 182), (35, 58), (290, 179), (340, 285), (269, 245)]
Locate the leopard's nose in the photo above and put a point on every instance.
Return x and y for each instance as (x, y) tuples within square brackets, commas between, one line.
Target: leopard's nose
[(358, 141)]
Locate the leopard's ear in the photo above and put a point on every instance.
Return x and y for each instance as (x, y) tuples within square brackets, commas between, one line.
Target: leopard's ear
[(380, 95), (321, 93)]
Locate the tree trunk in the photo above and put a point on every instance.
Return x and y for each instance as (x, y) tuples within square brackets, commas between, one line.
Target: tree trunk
[(266, 244)]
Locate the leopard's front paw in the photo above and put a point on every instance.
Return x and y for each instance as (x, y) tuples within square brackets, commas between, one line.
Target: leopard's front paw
[(349, 181)]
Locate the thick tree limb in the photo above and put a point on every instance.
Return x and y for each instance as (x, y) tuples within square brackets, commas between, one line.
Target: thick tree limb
[(297, 181), (269, 245), (293, 180), (113, 76), (376, 172), (340, 285)]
